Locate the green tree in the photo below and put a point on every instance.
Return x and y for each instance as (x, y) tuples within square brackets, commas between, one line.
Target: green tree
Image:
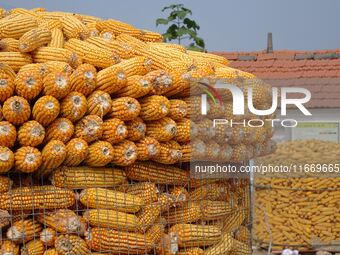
[(180, 27)]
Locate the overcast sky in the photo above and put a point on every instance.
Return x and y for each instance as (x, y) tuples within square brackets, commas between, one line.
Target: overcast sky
[(238, 25)]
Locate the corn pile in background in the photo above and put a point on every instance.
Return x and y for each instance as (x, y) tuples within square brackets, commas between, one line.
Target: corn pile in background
[(94, 112), (301, 211)]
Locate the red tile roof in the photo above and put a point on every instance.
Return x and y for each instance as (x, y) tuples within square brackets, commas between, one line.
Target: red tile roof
[(318, 71)]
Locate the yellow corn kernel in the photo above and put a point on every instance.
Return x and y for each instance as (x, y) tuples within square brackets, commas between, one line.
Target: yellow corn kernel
[(48, 236), (183, 130), (9, 247), (136, 66), (169, 153), (149, 36), (137, 86), (161, 81), (5, 184), (71, 244), (23, 231), (34, 247), (138, 45), (53, 155), (178, 109), (7, 86), (28, 84), (57, 84), (118, 27)]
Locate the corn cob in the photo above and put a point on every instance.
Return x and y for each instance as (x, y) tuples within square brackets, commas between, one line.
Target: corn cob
[(71, 244), (89, 128), (34, 39), (178, 109), (6, 159), (58, 67), (136, 66), (92, 54), (15, 60), (56, 84), (88, 19), (99, 103), (73, 106), (48, 236), (169, 153), (44, 54), (16, 110), (208, 57), (118, 27), (106, 34), (28, 84), (147, 148), (243, 235), (1, 116), (31, 133), (57, 38), (34, 247), (8, 247), (76, 152), (191, 251), (51, 252), (111, 219), (161, 81), (156, 231), (23, 11), (222, 247), (179, 195), (114, 131), (55, 15), (158, 173), (45, 110), (100, 198), (159, 55), (147, 191), (7, 85), (190, 235), (60, 129), (9, 44), (189, 212), (103, 239), (84, 79), (111, 79), (240, 248), (136, 129), (86, 177), (154, 107), (8, 134), (137, 86), (138, 45), (53, 155), (240, 154), (186, 151), (124, 153), (5, 184), (100, 153), (183, 130), (23, 231), (6, 219), (51, 24), (94, 32), (163, 45), (125, 108), (74, 28), (209, 191), (27, 159), (17, 26), (234, 221), (162, 130), (149, 36)]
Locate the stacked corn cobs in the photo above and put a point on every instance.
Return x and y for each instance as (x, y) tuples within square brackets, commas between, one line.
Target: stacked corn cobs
[(79, 93), (304, 210)]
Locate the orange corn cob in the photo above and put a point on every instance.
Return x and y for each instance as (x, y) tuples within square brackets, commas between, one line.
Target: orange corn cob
[(8, 134), (186, 150), (16, 110), (51, 252), (34, 247), (147, 148), (224, 246), (124, 153), (31, 133), (137, 86), (136, 129), (48, 236), (135, 66), (6, 159), (9, 44), (138, 45), (58, 67), (46, 110), (17, 26), (23, 11), (76, 152), (84, 79), (99, 103), (118, 27), (161, 45), (53, 155), (93, 30), (191, 251), (89, 128), (71, 244), (169, 153), (73, 106), (5, 184), (240, 248), (106, 34), (149, 36), (147, 191), (125, 108), (57, 84), (28, 84), (51, 24), (234, 221), (240, 154), (74, 28), (156, 231), (243, 234), (44, 54), (9, 247), (178, 109), (161, 81), (111, 79), (7, 85), (34, 39), (60, 129), (114, 131), (27, 159), (100, 153), (208, 57), (1, 116), (154, 107), (183, 130), (162, 130), (209, 191), (23, 231), (57, 38)]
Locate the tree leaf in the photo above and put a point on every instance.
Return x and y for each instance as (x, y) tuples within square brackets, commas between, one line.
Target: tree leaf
[(186, 10), (182, 31), (199, 41), (161, 21), (191, 23), (172, 6)]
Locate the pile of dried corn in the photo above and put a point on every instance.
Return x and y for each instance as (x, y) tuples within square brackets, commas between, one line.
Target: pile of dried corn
[(304, 210), (78, 93)]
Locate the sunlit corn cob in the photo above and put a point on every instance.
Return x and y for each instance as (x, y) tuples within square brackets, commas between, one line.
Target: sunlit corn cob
[(178, 109), (161, 81), (103, 239), (224, 246), (234, 220), (228, 73), (39, 68), (48, 236), (183, 130), (125, 108), (52, 251), (6, 159), (57, 84), (34, 247), (74, 28), (73, 106), (9, 248), (6, 219), (56, 15), (209, 191), (149, 36), (71, 244), (208, 57), (100, 154), (9, 44), (8, 134), (100, 198), (28, 84), (7, 69), (156, 231), (89, 128), (161, 45), (27, 159), (23, 11), (179, 195), (60, 129), (57, 38), (106, 34), (114, 131), (111, 79), (190, 235), (137, 86), (111, 219), (50, 24), (92, 54), (45, 110), (118, 27), (23, 231), (154, 107), (84, 79), (44, 54), (76, 152), (16, 110), (99, 103), (7, 85), (147, 148), (31, 133), (189, 212), (124, 153), (63, 221), (58, 67), (191, 251), (86, 177), (169, 153), (162, 130), (243, 234), (5, 184), (213, 210), (138, 45), (186, 150), (135, 66), (34, 39), (136, 129), (147, 191), (17, 26), (53, 155), (158, 173)]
